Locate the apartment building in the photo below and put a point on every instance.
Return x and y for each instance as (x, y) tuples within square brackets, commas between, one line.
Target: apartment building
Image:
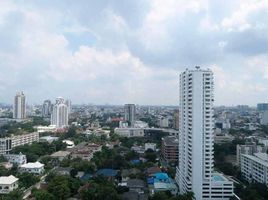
[(195, 171), (254, 168), (170, 148), (6, 144)]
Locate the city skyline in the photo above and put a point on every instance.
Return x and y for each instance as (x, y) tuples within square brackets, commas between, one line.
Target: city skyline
[(132, 51)]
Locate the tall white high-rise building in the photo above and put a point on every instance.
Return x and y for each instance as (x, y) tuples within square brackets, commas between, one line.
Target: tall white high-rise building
[(130, 112), (59, 116), (196, 123), (19, 107)]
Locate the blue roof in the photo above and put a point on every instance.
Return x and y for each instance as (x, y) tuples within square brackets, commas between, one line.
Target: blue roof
[(86, 177), (135, 161), (150, 181), (107, 172), (161, 176)]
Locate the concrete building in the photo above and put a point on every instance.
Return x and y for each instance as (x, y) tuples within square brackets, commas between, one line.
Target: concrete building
[(8, 184), (262, 106), (129, 132), (18, 159), (130, 113), (264, 118), (59, 116), (150, 146), (170, 148), (6, 144), (195, 169), (163, 122), (254, 168), (33, 168), (19, 107), (248, 149), (46, 108), (68, 103), (176, 119)]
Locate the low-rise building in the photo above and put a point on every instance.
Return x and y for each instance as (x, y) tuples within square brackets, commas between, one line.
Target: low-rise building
[(170, 148), (129, 132), (49, 139), (69, 144), (8, 184), (6, 144), (60, 155), (33, 168), (18, 159), (150, 146), (248, 149), (254, 168), (85, 151), (49, 129)]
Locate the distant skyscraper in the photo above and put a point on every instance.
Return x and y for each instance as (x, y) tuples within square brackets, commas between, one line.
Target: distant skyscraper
[(19, 107), (46, 108), (130, 112), (262, 106), (176, 119), (59, 116), (195, 167), (68, 103)]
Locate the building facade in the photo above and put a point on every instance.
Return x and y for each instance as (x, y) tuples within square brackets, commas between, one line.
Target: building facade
[(248, 149), (130, 113), (6, 144), (19, 107), (262, 106), (254, 168), (33, 168), (46, 108), (59, 116), (176, 119), (18, 159), (8, 184), (170, 148), (195, 167)]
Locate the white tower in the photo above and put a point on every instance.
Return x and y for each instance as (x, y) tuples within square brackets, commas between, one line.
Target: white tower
[(19, 107), (59, 116), (196, 124)]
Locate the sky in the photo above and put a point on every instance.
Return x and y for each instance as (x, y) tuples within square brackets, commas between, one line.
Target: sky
[(132, 51)]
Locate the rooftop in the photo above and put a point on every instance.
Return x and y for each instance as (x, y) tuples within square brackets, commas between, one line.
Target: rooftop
[(60, 154), (32, 165), (6, 180), (257, 159), (107, 172), (171, 141)]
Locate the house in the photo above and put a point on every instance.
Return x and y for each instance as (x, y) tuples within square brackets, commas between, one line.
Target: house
[(8, 184), (132, 195), (18, 159), (136, 185), (33, 168), (63, 171), (60, 155), (153, 170), (127, 173), (108, 173), (161, 182)]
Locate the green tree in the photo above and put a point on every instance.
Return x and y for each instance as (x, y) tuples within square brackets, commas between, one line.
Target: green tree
[(150, 155), (14, 195), (26, 180), (59, 187), (43, 195)]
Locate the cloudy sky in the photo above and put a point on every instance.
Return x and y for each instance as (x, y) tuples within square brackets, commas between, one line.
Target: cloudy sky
[(132, 51)]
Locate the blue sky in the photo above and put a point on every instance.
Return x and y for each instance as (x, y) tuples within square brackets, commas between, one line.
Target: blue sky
[(132, 51)]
